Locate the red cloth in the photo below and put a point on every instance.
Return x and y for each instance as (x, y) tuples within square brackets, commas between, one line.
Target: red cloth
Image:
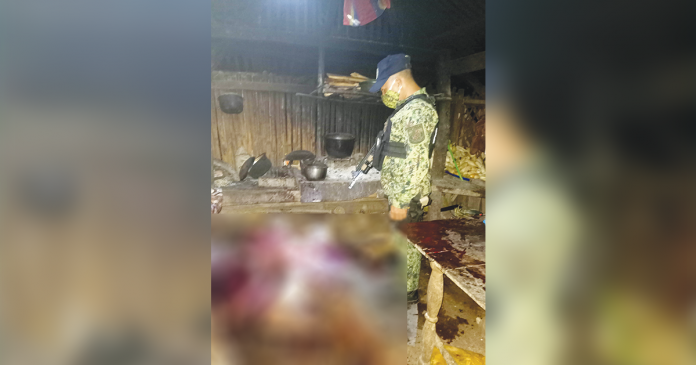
[(361, 12)]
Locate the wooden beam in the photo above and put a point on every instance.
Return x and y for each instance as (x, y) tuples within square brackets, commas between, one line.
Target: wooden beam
[(442, 138), (358, 206), (475, 84), (336, 100), (471, 63), (235, 197), (451, 185), (335, 90), (261, 86), (460, 30), (470, 101), (221, 30)]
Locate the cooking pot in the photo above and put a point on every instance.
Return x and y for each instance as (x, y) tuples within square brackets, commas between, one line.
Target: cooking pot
[(315, 171), (339, 145), (231, 103)]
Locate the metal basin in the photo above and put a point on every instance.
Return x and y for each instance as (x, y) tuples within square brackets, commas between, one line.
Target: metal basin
[(315, 171)]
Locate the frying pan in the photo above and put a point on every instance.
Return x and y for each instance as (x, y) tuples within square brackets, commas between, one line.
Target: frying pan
[(245, 168), (299, 155), (260, 167)]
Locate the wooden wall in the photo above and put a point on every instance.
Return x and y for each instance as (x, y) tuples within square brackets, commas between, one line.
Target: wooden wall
[(464, 116), (278, 122)]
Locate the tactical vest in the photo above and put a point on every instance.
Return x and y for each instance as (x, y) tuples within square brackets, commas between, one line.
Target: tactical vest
[(386, 148)]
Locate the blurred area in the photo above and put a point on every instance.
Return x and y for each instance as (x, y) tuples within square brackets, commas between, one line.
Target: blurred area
[(104, 174), (591, 206), (307, 289)]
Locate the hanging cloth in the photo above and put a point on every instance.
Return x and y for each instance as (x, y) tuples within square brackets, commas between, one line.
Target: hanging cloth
[(361, 12)]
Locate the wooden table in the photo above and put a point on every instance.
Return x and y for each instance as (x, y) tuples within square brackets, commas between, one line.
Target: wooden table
[(455, 248)]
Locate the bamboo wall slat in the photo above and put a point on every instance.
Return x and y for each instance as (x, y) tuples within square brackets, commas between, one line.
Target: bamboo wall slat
[(215, 138)]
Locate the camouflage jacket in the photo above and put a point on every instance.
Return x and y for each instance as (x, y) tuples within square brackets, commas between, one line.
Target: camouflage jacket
[(403, 179)]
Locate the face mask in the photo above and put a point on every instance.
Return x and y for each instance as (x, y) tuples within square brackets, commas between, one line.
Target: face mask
[(390, 97)]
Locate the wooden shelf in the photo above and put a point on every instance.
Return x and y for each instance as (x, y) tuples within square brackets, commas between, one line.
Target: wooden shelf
[(348, 92), (363, 97)]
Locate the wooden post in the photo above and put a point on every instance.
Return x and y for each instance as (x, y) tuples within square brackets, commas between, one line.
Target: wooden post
[(321, 67), (320, 105), (440, 149), (428, 334)]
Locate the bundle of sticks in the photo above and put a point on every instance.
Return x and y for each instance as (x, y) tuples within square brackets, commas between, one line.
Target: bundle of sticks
[(343, 83)]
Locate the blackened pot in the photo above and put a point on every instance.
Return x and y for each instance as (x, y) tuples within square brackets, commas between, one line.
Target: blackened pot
[(339, 145), (231, 103)]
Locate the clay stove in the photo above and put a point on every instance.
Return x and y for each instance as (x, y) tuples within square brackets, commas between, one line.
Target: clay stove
[(338, 177)]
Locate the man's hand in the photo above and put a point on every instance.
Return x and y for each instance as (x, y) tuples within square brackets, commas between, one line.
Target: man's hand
[(398, 214)]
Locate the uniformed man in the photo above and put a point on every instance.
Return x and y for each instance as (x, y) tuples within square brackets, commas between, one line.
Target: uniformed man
[(405, 157)]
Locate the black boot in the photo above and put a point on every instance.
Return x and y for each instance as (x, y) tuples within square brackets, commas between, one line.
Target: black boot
[(412, 297)]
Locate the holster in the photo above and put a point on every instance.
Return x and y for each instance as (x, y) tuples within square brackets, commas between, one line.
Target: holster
[(415, 210)]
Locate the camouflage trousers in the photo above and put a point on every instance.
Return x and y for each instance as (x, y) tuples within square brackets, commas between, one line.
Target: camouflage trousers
[(413, 264), (413, 256), (413, 261)]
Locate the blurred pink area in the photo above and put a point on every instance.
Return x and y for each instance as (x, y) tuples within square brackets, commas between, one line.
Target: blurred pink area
[(287, 290)]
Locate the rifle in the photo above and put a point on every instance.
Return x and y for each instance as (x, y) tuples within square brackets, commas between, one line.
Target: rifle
[(365, 164)]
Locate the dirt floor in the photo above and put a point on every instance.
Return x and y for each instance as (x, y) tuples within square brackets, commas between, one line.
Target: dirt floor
[(457, 321)]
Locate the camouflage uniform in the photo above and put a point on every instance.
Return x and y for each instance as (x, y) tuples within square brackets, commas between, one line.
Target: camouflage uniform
[(404, 180), (413, 261)]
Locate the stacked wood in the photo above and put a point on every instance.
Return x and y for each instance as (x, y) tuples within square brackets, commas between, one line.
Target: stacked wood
[(478, 145), (468, 123), (342, 83), (353, 80), (468, 135)]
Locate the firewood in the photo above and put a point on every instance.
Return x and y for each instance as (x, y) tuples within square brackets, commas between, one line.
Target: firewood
[(341, 78), (359, 76), (343, 84)]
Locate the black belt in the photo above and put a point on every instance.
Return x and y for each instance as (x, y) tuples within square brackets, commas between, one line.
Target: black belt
[(395, 149), (392, 149)]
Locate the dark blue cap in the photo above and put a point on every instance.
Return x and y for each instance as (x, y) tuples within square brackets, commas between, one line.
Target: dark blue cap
[(389, 66)]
